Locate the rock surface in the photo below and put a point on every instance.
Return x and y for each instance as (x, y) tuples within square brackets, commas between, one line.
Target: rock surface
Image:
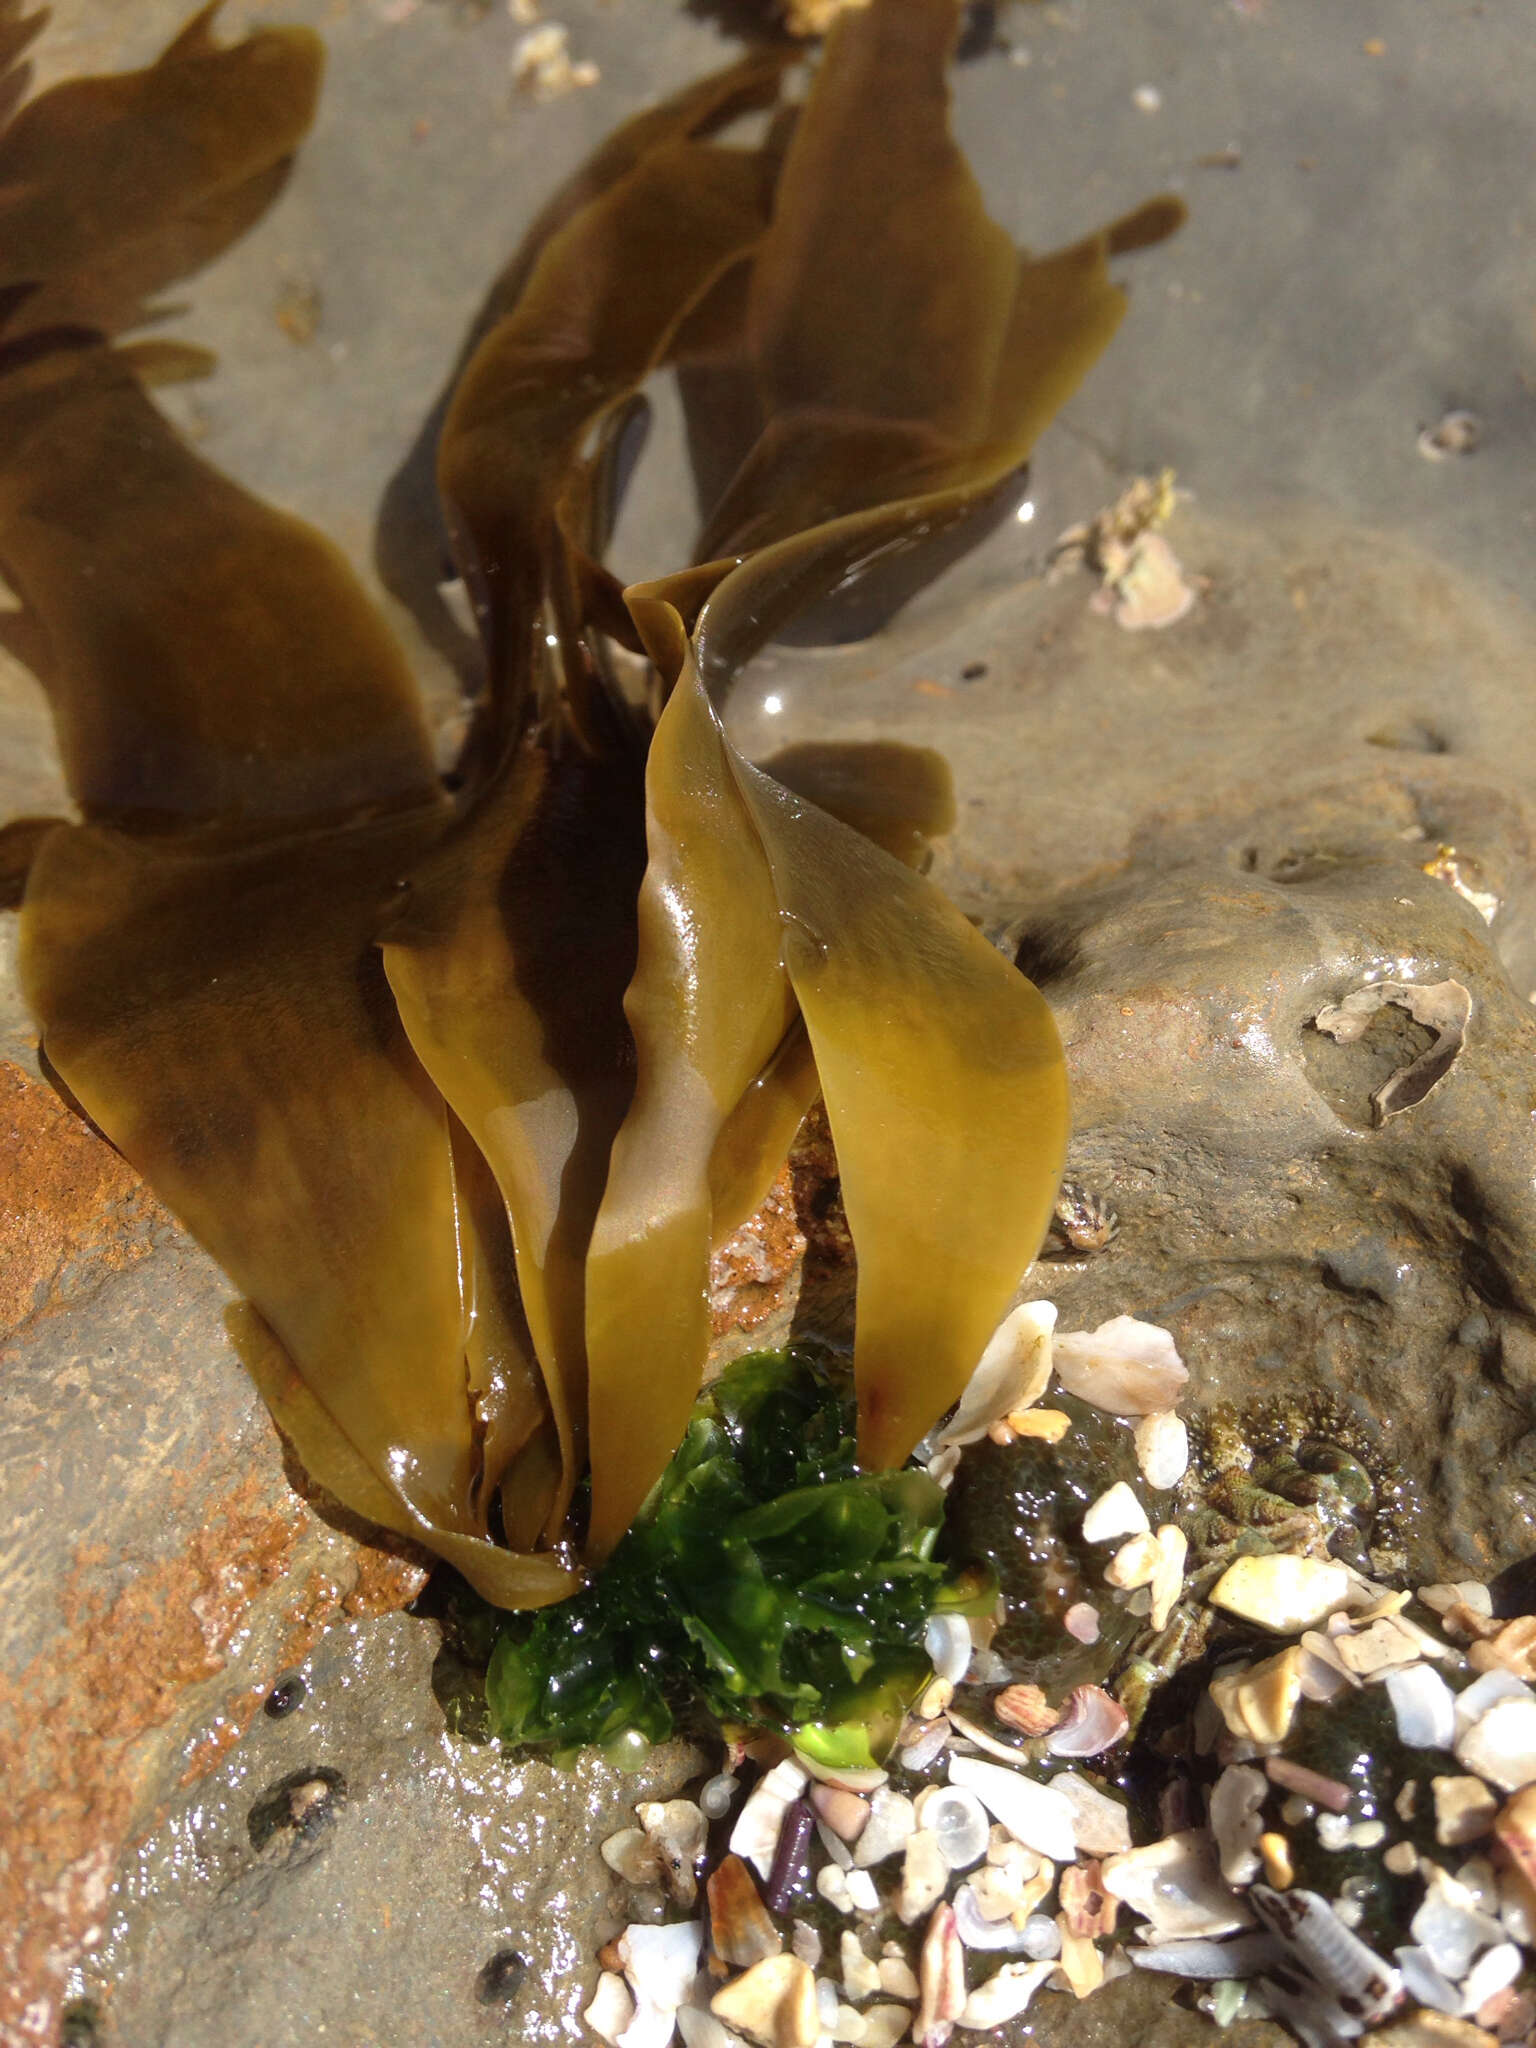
[(1196, 839)]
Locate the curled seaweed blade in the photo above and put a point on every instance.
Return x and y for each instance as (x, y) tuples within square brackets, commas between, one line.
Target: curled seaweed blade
[(946, 1091), (202, 961), (112, 187), (595, 315), (210, 662), (508, 957)]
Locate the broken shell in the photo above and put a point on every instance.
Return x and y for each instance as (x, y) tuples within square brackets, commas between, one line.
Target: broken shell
[(1134, 1563), (845, 1813), (1450, 1926), (1116, 1512), (892, 1819), (1050, 1425), (676, 1829), (1259, 1701), (1466, 1592), (941, 1969), (1465, 1810), (947, 1640), (1168, 1577), (1162, 1449), (1324, 1950), (1424, 1707), (1331, 1793), (700, 2029), (1282, 1593), (1004, 1996), (1501, 1744), (1013, 1373), (1383, 1645), (1236, 1798), (1086, 1908), (896, 1978), (741, 1929), (1514, 1647), (774, 2003), (1091, 1722), (1034, 1814), (1455, 433), (756, 1833), (1081, 1622), (832, 1884), (1177, 1885), (1013, 1888), (861, 1892), (928, 1747), (957, 1821), (1079, 1962), (1124, 1366), (661, 1964), (980, 1930), (861, 1979), (1026, 1708), (1444, 1007), (884, 2026), (633, 1856), (924, 1875), (612, 2007), (935, 1697), (1514, 1825), (1100, 1823)]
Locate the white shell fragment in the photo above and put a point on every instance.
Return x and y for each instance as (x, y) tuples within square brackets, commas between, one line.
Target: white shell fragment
[(1501, 1744), (1450, 1926), (1244, 1956), (947, 1641), (1124, 1366), (957, 1821), (1116, 1512), (1162, 1449), (1177, 1885), (1480, 1695), (924, 1876), (1134, 1563), (1168, 1573), (861, 1979), (1236, 1821), (1014, 1371), (755, 1836), (1003, 1997), (1444, 1007), (1282, 1593), (661, 1964), (1424, 1706), (1092, 1722), (612, 2007), (976, 1930), (892, 1819), (1034, 1814), (1102, 1825)]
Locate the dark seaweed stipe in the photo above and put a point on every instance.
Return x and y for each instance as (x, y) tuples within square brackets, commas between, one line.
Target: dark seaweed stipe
[(287, 1694), (501, 1979), (791, 1868)]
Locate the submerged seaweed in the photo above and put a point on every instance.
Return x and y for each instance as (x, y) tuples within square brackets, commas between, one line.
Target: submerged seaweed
[(461, 1091)]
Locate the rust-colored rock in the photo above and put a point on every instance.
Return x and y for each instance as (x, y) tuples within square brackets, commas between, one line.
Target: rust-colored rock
[(751, 1272)]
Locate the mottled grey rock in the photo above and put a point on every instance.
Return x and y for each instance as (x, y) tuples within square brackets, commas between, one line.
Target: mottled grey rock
[(423, 1861)]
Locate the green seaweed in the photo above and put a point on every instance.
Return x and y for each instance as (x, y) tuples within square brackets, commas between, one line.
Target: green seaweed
[(766, 1579)]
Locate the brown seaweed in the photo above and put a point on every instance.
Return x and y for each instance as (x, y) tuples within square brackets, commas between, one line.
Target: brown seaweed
[(376, 1046)]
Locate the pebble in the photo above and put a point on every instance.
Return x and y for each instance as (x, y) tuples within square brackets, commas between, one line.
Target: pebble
[(1004, 1996), (1134, 1563), (924, 1877), (755, 1836), (845, 1813), (1162, 1449), (892, 1819), (1116, 1512), (774, 2003), (1464, 1810), (861, 1977), (1501, 1744), (1177, 1885), (884, 2025), (1282, 1593), (1424, 1707), (1101, 1824)]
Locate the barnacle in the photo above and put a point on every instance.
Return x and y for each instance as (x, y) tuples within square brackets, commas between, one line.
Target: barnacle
[(461, 1090)]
